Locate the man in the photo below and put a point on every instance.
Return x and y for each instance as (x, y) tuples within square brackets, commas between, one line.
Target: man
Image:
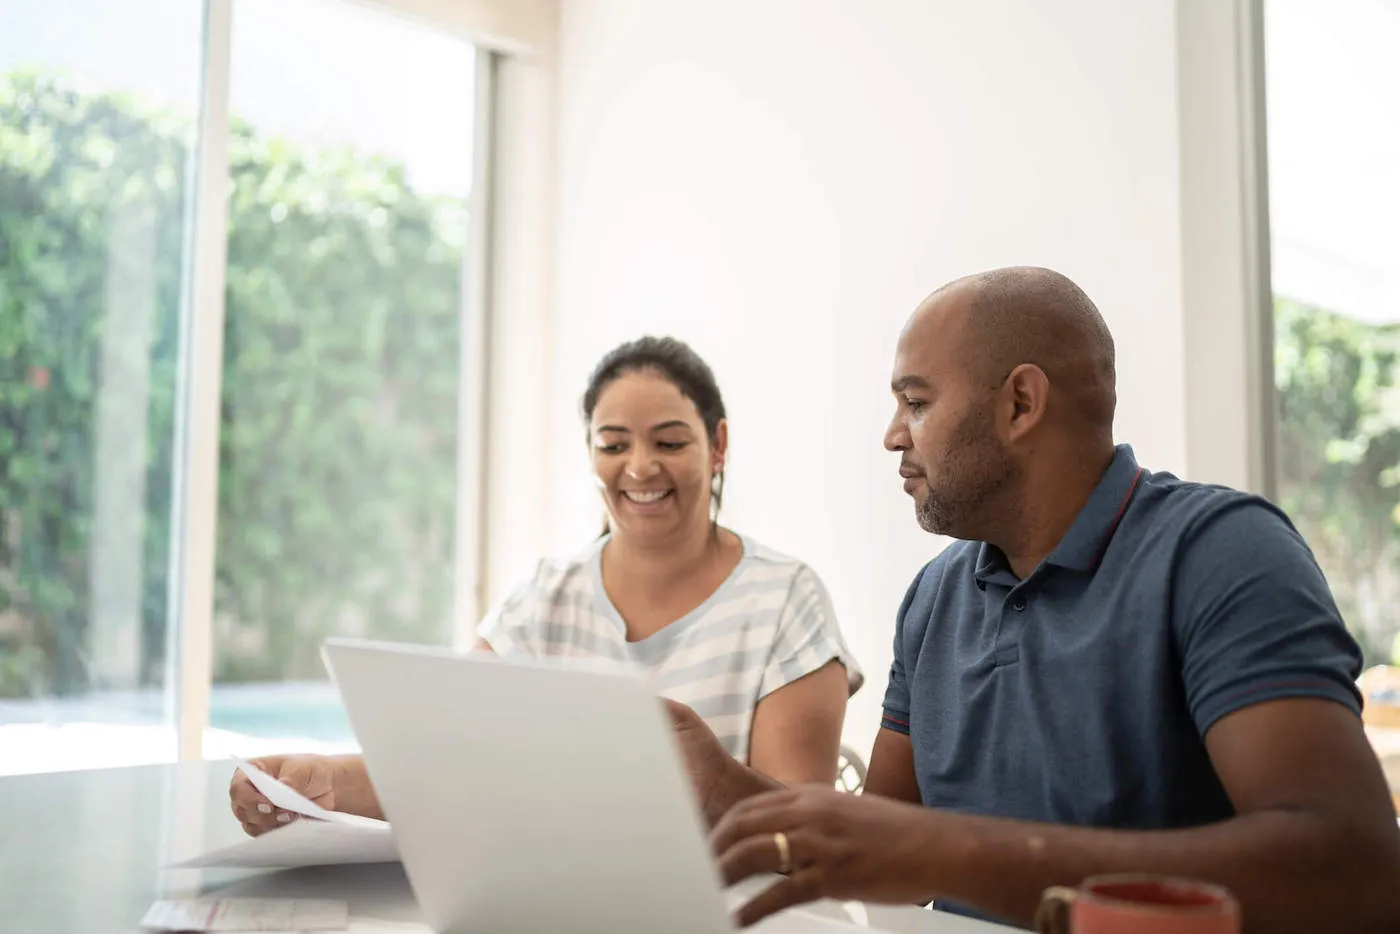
[(1112, 671)]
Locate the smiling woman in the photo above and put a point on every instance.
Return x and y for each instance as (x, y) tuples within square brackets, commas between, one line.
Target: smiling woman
[(744, 635)]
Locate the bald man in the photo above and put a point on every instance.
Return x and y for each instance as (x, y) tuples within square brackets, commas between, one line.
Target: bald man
[(1112, 671)]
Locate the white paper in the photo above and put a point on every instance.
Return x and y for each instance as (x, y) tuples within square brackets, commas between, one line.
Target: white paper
[(304, 843), (288, 799), (248, 914)]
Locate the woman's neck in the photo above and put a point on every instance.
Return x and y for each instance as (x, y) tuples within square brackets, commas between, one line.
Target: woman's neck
[(662, 565)]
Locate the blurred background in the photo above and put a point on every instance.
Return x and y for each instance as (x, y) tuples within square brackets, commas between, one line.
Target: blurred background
[(297, 299)]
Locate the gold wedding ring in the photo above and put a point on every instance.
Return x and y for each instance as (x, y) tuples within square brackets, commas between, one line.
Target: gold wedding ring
[(780, 840)]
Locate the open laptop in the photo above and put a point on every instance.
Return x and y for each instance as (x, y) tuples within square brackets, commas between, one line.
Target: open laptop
[(534, 795)]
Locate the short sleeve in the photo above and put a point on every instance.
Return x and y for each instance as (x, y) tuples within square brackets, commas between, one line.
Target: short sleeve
[(807, 638), (506, 626), (1254, 618), (895, 715)]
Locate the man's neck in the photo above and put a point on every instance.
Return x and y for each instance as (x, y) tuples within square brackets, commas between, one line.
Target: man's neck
[(1050, 500)]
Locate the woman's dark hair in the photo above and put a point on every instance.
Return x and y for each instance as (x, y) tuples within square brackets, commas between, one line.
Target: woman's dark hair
[(681, 367)]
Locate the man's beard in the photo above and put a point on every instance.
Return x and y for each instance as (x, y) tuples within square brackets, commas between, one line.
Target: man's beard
[(973, 473)]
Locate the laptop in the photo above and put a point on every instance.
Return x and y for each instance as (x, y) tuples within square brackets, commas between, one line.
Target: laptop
[(534, 795)]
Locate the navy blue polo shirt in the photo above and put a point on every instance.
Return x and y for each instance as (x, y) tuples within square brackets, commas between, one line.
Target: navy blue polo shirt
[(1082, 694)]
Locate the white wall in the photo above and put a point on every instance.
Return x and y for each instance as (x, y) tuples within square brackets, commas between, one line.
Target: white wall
[(780, 182)]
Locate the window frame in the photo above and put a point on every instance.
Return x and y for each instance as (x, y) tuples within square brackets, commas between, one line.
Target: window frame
[(498, 29)]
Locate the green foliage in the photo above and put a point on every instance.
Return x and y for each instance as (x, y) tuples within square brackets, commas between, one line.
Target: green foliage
[(337, 450), (1339, 459)]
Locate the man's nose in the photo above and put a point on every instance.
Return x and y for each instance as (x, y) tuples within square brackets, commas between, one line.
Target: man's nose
[(896, 435)]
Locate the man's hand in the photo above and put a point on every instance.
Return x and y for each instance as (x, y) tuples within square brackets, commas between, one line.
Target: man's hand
[(718, 779), (705, 759), (840, 846), (312, 776)]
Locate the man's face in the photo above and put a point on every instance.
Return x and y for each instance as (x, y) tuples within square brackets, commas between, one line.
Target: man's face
[(952, 458)]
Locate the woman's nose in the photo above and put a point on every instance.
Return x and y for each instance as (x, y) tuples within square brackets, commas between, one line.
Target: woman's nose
[(641, 465)]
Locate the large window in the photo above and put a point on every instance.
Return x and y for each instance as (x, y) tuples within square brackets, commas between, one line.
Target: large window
[(97, 111), (350, 162), (349, 139), (1333, 91)]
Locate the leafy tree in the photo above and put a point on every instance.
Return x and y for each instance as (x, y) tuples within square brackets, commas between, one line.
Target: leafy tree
[(337, 448), (1339, 459)]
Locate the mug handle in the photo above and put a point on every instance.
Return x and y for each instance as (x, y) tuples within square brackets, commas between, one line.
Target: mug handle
[(1052, 915)]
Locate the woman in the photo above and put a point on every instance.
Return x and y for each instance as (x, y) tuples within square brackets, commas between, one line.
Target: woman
[(744, 636)]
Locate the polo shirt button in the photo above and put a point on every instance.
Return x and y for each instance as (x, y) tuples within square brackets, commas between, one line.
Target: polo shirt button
[(1020, 604)]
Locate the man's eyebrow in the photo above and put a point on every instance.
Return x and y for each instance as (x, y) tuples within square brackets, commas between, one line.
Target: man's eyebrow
[(909, 382)]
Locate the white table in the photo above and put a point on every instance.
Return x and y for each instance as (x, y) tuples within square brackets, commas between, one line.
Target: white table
[(82, 852)]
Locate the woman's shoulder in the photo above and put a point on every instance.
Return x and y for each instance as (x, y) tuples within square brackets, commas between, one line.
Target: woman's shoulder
[(555, 574), (764, 564)]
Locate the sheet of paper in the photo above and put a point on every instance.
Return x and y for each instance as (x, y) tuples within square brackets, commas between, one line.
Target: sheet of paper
[(248, 914), (288, 799), (304, 843)]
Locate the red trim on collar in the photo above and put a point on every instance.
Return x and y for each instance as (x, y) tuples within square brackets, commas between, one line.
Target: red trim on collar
[(1132, 488)]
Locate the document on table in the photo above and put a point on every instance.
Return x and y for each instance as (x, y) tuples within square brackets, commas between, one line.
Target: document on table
[(248, 914), (324, 838)]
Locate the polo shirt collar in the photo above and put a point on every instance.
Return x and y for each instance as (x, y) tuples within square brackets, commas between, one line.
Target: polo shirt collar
[(1086, 540)]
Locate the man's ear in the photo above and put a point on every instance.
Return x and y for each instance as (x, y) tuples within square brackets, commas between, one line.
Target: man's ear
[(1027, 393)]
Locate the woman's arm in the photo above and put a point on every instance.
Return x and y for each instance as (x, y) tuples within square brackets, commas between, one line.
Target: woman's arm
[(796, 734)]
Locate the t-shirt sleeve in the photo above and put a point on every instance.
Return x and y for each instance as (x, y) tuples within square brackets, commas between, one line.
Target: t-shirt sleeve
[(509, 626), (1254, 618), (807, 637), (895, 715)]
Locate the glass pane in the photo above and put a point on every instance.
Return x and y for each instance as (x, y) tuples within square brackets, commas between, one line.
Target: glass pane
[(350, 159), (1334, 178), (97, 107)]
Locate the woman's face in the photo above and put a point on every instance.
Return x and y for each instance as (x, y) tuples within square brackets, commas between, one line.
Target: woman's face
[(652, 458)]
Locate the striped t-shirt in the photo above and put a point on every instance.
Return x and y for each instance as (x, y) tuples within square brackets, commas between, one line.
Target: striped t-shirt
[(769, 623)]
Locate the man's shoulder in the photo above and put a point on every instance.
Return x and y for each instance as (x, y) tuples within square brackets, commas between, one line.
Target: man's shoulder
[(1180, 514), (953, 569), (958, 560)]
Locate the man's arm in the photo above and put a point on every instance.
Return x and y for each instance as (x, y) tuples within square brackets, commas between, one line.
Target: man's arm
[(1313, 846), (891, 773)]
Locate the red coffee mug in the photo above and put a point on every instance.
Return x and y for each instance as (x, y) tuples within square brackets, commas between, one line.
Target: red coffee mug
[(1138, 904)]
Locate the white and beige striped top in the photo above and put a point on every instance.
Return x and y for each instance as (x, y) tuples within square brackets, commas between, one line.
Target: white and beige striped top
[(769, 623)]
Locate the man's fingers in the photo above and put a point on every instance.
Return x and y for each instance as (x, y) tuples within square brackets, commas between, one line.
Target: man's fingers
[(749, 857), (765, 813), (800, 887)]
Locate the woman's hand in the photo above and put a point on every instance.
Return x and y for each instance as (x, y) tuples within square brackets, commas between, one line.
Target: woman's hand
[(314, 777)]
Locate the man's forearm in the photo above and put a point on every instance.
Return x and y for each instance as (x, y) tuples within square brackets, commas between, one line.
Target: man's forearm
[(353, 792), (1292, 870)]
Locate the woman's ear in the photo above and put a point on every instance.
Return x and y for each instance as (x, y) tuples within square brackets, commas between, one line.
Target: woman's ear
[(720, 449)]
